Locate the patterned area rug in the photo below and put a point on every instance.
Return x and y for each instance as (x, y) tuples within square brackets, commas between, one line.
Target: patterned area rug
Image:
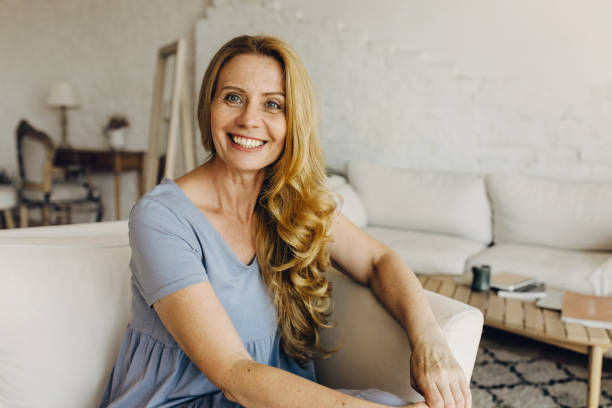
[(515, 372)]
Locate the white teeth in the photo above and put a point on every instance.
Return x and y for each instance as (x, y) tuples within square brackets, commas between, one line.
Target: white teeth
[(246, 143)]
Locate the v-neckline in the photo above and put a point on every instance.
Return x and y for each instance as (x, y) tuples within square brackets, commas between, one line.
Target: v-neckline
[(218, 235)]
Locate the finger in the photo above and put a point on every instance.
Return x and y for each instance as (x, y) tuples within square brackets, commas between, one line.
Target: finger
[(432, 395), (447, 396), (467, 393), (468, 399), (458, 395)]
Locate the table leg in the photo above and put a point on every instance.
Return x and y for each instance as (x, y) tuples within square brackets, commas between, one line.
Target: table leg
[(140, 178), (46, 214), (595, 363), (117, 170), (23, 216)]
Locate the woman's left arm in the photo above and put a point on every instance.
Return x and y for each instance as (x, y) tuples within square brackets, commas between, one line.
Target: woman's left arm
[(434, 370)]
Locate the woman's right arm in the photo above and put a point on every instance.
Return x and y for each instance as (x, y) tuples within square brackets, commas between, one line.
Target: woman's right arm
[(196, 319)]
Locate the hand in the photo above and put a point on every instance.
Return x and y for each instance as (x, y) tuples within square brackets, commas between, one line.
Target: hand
[(416, 405), (435, 373)]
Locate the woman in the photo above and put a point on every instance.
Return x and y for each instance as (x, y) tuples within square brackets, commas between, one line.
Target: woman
[(228, 262)]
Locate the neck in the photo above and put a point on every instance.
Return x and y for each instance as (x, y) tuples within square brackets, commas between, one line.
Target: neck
[(235, 192)]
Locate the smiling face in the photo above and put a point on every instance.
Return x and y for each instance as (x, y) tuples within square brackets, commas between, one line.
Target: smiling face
[(247, 114)]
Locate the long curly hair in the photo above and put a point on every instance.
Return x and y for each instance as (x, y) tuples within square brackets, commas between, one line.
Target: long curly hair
[(294, 210)]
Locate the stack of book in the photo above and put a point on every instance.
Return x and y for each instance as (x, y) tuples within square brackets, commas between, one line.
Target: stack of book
[(511, 285)]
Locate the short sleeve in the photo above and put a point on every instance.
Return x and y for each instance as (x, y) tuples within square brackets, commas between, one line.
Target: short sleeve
[(165, 255)]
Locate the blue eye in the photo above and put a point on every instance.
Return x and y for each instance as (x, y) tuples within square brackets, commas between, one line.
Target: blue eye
[(273, 105), (232, 98)]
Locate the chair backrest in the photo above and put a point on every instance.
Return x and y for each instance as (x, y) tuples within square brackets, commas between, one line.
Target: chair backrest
[(35, 151)]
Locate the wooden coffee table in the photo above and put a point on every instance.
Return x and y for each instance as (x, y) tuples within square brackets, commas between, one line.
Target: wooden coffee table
[(526, 319)]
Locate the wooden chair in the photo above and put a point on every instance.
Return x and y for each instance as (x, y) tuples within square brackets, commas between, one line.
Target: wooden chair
[(40, 185)]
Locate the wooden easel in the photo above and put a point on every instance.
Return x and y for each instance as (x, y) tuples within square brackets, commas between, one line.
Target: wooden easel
[(180, 101)]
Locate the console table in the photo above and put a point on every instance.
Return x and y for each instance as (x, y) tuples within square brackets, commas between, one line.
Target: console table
[(115, 161)]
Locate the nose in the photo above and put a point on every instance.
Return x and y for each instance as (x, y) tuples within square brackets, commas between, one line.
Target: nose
[(249, 116)]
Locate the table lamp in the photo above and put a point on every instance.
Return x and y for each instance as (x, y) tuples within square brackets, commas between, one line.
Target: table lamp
[(62, 95)]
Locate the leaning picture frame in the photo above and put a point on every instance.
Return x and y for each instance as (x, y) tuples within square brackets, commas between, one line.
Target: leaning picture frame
[(180, 115)]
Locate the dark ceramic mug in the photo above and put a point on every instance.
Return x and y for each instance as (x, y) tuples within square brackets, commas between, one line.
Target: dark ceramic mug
[(481, 280)]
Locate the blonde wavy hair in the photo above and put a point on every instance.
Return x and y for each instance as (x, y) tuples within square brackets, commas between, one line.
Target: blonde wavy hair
[(294, 210)]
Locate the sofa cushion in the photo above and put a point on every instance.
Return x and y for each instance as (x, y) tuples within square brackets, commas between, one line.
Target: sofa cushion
[(350, 205), (335, 180), (559, 268), (430, 201), (560, 214), (428, 253), (64, 307)]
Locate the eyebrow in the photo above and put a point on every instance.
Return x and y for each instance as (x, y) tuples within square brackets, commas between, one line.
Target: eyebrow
[(243, 91)]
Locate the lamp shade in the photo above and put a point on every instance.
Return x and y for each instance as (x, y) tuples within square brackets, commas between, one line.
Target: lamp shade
[(63, 94)]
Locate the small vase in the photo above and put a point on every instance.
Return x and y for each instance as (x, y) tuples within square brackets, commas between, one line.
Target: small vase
[(116, 138)]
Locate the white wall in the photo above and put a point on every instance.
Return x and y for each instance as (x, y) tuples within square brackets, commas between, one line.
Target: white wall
[(484, 86), (516, 86), (106, 49)]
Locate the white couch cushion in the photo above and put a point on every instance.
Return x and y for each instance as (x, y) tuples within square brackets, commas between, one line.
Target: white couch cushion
[(350, 205), (572, 215), (563, 269), (64, 306), (335, 180), (428, 253), (430, 201)]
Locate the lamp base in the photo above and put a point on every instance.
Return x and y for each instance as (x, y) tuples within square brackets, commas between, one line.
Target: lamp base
[(64, 122), (64, 145)]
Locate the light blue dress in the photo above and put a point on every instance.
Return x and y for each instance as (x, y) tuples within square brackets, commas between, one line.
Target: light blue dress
[(174, 246)]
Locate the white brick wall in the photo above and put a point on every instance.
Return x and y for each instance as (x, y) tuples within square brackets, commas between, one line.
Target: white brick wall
[(487, 86), (107, 50), (410, 107)]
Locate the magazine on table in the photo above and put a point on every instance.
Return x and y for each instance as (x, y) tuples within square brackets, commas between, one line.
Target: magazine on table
[(588, 310)]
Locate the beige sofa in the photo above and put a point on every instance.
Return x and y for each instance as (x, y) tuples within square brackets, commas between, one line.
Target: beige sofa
[(65, 303), (558, 231)]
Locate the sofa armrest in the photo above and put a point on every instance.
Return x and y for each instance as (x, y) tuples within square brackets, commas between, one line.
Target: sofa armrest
[(65, 301), (375, 352)]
